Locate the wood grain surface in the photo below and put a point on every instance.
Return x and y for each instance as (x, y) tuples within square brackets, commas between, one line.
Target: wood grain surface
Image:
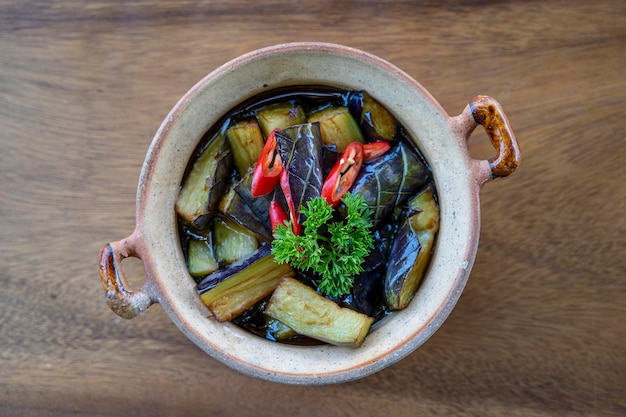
[(540, 328)]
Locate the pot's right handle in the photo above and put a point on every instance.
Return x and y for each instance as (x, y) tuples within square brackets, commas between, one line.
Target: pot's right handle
[(487, 112), (124, 301)]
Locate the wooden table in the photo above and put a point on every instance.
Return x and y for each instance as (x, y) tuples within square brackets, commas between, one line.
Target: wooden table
[(539, 329)]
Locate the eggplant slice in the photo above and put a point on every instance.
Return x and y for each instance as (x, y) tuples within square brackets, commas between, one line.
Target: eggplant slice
[(389, 181), (375, 121), (411, 250), (235, 208), (300, 149), (280, 116), (260, 206), (308, 313), (243, 284), (205, 184), (337, 127)]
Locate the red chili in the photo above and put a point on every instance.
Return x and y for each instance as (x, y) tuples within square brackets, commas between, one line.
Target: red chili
[(277, 215), (267, 169), (284, 185), (374, 149), (342, 175)]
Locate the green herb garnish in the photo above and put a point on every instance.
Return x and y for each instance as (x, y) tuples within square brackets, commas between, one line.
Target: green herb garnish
[(333, 246)]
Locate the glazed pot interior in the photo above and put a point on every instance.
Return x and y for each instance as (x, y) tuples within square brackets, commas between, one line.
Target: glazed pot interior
[(294, 65)]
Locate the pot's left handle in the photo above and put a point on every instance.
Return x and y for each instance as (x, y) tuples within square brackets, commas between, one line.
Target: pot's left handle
[(124, 301)]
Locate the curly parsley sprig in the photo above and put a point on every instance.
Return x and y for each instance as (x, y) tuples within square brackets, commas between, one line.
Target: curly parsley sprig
[(333, 248)]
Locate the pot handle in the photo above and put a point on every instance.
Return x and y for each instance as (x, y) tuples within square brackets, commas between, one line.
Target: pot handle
[(124, 301), (487, 112)]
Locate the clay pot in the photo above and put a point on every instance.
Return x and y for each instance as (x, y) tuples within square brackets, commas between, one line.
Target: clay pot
[(443, 142)]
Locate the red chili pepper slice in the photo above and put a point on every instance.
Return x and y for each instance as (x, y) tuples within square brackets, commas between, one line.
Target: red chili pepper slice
[(284, 185), (267, 169), (342, 175), (277, 215), (374, 149)]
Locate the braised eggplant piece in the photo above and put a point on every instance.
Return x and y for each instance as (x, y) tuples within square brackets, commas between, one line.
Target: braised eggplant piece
[(256, 321), (278, 330), (308, 313), (366, 295), (411, 250), (247, 142), (367, 290), (232, 290), (337, 127), (330, 158), (235, 208), (260, 206), (300, 149), (375, 121), (211, 280), (200, 258), (390, 180), (205, 183), (280, 116), (232, 241)]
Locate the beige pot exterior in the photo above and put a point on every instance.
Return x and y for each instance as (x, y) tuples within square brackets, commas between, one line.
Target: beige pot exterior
[(441, 138)]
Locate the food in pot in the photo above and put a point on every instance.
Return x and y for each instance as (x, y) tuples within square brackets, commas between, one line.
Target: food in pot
[(411, 248), (205, 183), (307, 215), (337, 127), (236, 288), (306, 312)]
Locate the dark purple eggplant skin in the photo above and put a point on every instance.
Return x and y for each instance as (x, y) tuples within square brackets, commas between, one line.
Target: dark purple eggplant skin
[(356, 105), (366, 295), (331, 156), (241, 212), (260, 206), (389, 181), (404, 251), (219, 184), (411, 249), (220, 275), (300, 149)]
